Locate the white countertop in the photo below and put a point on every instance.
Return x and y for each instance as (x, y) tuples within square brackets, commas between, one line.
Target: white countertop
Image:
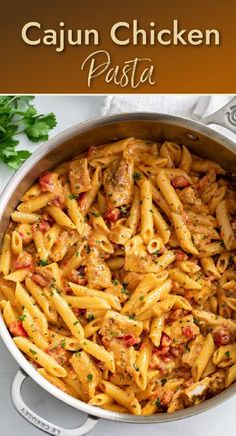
[(216, 422)]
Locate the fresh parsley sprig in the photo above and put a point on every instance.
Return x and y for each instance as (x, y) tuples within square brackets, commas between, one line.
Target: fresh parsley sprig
[(18, 115)]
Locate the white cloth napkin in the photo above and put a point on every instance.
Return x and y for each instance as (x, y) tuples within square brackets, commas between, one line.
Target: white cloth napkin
[(191, 106)]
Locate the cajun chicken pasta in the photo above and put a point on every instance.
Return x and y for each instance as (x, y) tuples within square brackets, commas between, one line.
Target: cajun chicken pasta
[(118, 277)]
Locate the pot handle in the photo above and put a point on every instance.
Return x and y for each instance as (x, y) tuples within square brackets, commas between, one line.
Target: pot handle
[(38, 421), (225, 116)]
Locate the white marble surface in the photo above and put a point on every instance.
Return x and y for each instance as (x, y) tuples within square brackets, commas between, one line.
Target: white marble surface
[(216, 422)]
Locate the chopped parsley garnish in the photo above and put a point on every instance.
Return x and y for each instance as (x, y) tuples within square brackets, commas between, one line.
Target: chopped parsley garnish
[(75, 323), (96, 214), (43, 262), (158, 402), (73, 196), (124, 211), (90, 377), (186, 346), (32, 351), (115, 282), (141, 297), (137, 175), (131, 316), (78, 353), (22, 317), (63, 343), (91, 317), (156, 253), (124, 288), (228, 355)]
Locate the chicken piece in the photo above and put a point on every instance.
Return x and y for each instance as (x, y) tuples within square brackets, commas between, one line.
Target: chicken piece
[(196, 392), (79, 176), (118, 181), (191, 201), (215, 321), (97, 272), (50, 182), (182, 330), (24, 260)]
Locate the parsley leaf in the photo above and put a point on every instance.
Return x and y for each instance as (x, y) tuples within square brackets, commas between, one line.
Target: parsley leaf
[(43, 262), (19, 116), (137, 176), (90, 377)]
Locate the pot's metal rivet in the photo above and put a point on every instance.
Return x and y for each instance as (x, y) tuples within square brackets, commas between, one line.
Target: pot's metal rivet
[(192, 137)]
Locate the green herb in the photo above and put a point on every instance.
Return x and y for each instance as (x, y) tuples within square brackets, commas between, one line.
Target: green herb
[(150, 210), (63, 343), (163, 381), (228, 355), (141, 297), (131, 316), (91, 317), (137, 175), (124, 211), (124, 288), (78, 353), (75, 323), (18, 115), (43, 262), (22, 317), (186, 346), (158, 402), (90, 377), (95, 214), (115, 282), (32, 351), (156, 253), (73, 196)]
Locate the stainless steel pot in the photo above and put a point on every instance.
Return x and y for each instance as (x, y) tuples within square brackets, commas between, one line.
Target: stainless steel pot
[(200, 139)]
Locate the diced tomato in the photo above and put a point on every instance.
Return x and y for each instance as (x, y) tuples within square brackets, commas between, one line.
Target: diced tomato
[(111, 214), (43, 226), (129, 340), (188, 332), (180, 182), (16, 328), (165, 340), (47, 181), (180, 255), (24, 260), (164, 347), (59, 354), (221, 337), (39, 280), (78, 311)]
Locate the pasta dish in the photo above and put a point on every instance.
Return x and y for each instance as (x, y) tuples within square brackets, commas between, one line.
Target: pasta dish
[(118, 278)]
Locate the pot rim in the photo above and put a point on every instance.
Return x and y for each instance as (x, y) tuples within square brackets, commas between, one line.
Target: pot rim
[(40, 153)]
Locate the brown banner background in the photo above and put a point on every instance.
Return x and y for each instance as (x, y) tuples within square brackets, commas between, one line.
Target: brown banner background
[(181, 69)]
